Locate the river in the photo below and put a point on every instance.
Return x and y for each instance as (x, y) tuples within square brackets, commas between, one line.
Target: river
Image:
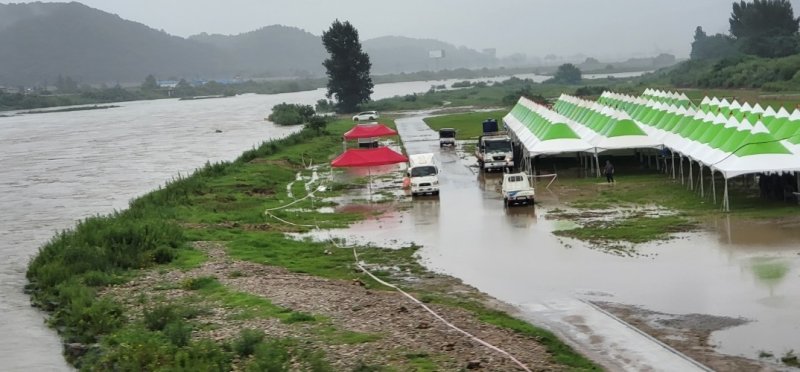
[(58, 168)]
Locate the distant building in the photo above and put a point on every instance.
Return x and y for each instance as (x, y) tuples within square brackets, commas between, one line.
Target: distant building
[(171, 84)]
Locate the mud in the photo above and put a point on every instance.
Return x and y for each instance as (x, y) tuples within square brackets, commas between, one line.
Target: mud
[(400, 327), (689, 334), (728, 268)]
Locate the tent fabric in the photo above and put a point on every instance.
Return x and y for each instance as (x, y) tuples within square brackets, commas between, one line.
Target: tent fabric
[(368, 158), (718, 133), (540, 131), (369, 131)]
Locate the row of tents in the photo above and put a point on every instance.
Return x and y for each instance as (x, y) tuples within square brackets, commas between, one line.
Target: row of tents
[(725, 137)]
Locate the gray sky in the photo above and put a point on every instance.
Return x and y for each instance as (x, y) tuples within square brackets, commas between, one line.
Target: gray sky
[(600, 28)]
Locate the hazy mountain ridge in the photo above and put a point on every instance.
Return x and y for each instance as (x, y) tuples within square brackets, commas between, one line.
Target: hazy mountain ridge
[(40, 41)]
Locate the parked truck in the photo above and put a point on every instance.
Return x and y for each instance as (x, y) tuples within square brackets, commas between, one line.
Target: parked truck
[(517, 189), (494, 149), (423, 174)]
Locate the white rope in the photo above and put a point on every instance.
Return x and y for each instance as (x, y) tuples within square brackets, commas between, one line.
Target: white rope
[(404, 293), (436, 315)]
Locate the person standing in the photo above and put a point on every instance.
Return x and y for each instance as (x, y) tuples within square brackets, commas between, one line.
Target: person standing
[(609, 172)]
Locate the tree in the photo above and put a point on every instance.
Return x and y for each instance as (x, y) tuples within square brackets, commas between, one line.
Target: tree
[(347, 68), (566, 74), (717, 46), (150, 83), (766, 28)]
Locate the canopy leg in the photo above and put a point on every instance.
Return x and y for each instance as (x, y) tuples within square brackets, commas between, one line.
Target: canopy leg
[(702, 187), (691, 180), (713, 187), (681, 161), (672, 155), (726, 207), (597, 160)]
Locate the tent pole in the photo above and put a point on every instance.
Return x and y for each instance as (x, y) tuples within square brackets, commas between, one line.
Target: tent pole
[(702, 187), (672, 155), (597, 160), (369, 184), (681, 161), (797, 174), (713, 187), (726, 207), (691, 179)]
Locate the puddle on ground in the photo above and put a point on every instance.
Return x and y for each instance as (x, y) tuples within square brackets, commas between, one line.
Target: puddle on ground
[(731, 269)]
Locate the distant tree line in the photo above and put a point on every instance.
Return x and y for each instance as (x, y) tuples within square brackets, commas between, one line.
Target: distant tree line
[(763, 28)]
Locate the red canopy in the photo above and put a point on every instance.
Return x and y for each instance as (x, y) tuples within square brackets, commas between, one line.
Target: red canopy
[(368, 158), (369, 131)]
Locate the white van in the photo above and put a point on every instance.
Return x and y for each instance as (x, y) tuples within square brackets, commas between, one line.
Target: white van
[(423, 174)]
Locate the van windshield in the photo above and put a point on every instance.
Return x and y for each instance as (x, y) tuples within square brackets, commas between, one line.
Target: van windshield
[(498, 146), (447, 134), (423, 171)]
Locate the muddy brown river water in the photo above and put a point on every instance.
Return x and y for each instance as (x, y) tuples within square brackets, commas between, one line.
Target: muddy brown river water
[(58, 168), (736, 269)]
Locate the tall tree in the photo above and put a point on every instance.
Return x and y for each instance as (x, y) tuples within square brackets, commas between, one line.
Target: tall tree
[(347, 68), (567, 74), (150, 83), (716, 46), (766, 28)]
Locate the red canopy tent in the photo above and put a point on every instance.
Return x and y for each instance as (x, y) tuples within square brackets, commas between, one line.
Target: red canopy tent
[(368, 158), (369, 131)]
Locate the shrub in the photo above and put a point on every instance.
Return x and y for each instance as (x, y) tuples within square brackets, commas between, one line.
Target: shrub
[(245, 344), (178, 332), (290, 114), (297, 317), (194, 284)]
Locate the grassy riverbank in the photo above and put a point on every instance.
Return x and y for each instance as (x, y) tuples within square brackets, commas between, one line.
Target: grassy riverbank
[(177, 281), (467, 125)]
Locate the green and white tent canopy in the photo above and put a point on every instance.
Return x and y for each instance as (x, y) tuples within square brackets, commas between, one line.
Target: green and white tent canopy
[(541, 131), (604, 127), (730, 137)]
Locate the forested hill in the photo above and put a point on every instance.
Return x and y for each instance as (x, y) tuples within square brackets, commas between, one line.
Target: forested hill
[(40, 41)]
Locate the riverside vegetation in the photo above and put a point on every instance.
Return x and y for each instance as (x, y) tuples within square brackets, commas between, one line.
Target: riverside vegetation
[(75, 275)]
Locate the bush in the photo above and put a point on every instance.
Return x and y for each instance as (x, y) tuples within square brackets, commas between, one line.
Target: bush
[(317, 124), (178, 332), (194, 284), (297, 317), (290, 114), (590, 91), (245, 344), (157, 318)]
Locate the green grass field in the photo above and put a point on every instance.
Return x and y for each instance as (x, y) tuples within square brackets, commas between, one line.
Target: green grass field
[(468, 126)]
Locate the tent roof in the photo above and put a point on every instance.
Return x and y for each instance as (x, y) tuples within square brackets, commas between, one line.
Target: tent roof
[(369, 131), (368, 157)]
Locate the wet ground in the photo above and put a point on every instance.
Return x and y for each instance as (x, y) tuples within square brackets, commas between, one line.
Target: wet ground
[(731, 270)]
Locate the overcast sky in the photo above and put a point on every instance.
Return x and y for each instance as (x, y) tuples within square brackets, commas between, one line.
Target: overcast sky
[(600, 28)]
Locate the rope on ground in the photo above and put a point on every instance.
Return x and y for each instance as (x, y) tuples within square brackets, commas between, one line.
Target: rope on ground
[(396, 288), (435, 314)]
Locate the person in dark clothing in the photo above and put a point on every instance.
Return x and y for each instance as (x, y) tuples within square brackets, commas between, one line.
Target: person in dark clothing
[(609, 172)]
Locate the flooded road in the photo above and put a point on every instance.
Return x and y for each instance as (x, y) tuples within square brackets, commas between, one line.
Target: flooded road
[(750, 272), (58, 168)]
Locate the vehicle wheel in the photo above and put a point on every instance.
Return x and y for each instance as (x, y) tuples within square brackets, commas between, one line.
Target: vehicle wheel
[(436, 193), (505, 202), (371, 118)]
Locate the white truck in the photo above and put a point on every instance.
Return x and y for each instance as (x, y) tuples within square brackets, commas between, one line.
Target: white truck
[(517, 189), (423, 174), (494, 151)]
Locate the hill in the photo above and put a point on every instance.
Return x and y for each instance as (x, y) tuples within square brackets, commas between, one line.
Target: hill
[(41, 41), (394, 54)]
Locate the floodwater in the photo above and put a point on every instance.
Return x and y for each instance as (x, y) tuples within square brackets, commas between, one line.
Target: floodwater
[(736, 268), (58, 168)]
